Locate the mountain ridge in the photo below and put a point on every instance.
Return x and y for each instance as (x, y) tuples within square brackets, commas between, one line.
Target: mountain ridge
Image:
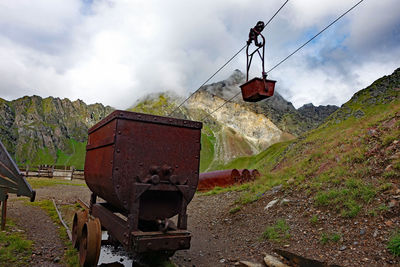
[(51, 130), (40, 130)]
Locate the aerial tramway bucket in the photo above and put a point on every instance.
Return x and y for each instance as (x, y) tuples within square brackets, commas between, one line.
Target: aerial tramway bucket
[(257, 89)]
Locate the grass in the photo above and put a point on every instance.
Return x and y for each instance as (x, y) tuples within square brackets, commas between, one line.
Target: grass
[(44, 182), (15, 249), (207, 152), (235, 209), (43, 156), (383, 207), (262, 161), (70, 254), (394, 243), (314, 219), (277, 232), (330, 237), (73, 156), (347, 199)]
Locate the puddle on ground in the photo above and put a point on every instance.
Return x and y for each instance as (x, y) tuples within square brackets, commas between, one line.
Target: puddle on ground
[(110, 255)]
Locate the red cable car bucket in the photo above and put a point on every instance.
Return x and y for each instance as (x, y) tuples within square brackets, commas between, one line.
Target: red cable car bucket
[(257, 89)]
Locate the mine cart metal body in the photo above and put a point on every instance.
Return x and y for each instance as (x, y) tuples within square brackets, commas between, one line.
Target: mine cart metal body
[(146, 168)]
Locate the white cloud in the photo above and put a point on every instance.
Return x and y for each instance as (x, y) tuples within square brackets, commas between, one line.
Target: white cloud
[(114, 52)]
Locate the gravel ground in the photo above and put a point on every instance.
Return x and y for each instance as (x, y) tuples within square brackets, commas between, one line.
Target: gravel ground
[(220, 238)]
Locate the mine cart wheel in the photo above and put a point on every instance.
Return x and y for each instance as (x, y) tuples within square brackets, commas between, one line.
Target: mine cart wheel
[(89, 248), (80, 218)]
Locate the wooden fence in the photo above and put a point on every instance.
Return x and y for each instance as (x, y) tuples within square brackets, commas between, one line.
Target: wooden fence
[(47, 171)]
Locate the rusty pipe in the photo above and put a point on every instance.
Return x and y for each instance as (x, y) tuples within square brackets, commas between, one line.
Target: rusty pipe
[(222, 178), (255, 174), (245, 175)]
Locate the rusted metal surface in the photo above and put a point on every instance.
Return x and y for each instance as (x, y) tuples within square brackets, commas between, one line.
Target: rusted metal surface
[(129, 148), (79, 220), (245, 176), (83, 204), (146, 169), (116, 226), (89, 247), (258, 88), (255, 174), (156, 241), (222, 178)]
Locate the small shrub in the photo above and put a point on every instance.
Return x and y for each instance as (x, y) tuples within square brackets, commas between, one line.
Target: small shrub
[(314, 219), (235, 209), (383, 207), (385, 186), (388, 140), (390, 174), (330, 237), (372, 213), (394, 244), (277, 232), (350, 209)]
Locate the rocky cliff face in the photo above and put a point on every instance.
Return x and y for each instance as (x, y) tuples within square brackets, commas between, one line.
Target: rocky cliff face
[(380, 92), (37, 130), (241, 131), (236, 130), (316, 115)]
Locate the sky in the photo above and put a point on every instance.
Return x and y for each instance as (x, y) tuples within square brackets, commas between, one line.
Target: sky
[(116, 52)]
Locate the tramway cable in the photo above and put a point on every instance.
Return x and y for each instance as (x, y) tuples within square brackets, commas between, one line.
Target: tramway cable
[(226, 63), (287, 57)]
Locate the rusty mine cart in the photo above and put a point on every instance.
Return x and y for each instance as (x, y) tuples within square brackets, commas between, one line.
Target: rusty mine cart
[(145, 169)]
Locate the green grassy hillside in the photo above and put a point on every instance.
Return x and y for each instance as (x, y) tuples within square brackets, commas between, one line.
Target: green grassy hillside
[(345, 162), (73, 156)]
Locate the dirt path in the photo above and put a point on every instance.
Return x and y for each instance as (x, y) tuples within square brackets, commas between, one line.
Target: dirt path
[(218, 238), (47, 248)]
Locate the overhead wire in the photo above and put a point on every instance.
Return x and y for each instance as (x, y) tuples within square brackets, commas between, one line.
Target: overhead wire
[(226, 63), (212, 76), (287, 57)]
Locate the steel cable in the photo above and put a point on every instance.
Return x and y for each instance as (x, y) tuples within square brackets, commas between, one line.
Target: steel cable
[(291, 54), (241, 49)]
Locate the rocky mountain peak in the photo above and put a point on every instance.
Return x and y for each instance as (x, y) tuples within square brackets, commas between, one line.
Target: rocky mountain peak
[(318, 114), (276, 108)]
